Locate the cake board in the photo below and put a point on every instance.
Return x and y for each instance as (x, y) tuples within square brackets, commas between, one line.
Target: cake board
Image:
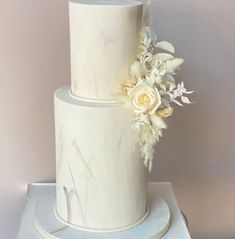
[(39, 216), (48, 225)]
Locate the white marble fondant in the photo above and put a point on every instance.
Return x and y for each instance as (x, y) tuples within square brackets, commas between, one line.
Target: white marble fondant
[(101, 179), (103, 39)]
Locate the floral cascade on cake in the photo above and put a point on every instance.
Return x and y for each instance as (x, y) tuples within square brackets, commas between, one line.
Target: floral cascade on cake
[(150, 89)]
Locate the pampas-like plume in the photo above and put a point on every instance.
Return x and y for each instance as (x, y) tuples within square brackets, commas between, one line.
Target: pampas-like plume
[(150, 131)]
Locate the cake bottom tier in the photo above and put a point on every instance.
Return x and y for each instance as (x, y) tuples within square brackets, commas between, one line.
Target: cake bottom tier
[(154, 227), (101, 180)]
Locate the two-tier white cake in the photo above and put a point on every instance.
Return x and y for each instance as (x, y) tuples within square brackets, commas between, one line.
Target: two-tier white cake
[(101, 179)]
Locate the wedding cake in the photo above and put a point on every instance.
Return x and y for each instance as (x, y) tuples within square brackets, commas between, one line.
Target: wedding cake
[(108, 121), (101, 179)]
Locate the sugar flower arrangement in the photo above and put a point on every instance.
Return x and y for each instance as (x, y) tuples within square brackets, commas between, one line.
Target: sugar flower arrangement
[(150, 89)]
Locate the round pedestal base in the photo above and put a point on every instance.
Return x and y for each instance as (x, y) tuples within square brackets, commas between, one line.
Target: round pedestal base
[(153, 227), (102, 230)]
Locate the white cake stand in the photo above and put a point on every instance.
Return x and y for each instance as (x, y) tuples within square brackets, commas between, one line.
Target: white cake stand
[(153, 227)]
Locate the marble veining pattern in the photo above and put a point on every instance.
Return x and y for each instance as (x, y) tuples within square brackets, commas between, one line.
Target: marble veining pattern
[(100, 164), (101, 50)]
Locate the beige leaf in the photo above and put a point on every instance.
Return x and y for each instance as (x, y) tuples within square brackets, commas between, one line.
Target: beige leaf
[(172, 65), (185, 100), (167, 46), (165, 112), (161, 57)]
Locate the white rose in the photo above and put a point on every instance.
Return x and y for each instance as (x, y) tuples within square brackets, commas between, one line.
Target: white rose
[(144, 98)]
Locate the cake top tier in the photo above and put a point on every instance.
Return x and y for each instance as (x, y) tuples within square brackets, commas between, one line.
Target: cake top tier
[(103, 40), (107, 2)]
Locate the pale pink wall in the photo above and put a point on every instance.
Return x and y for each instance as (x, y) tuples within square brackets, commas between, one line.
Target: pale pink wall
[(34, 61), (196, 153)]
